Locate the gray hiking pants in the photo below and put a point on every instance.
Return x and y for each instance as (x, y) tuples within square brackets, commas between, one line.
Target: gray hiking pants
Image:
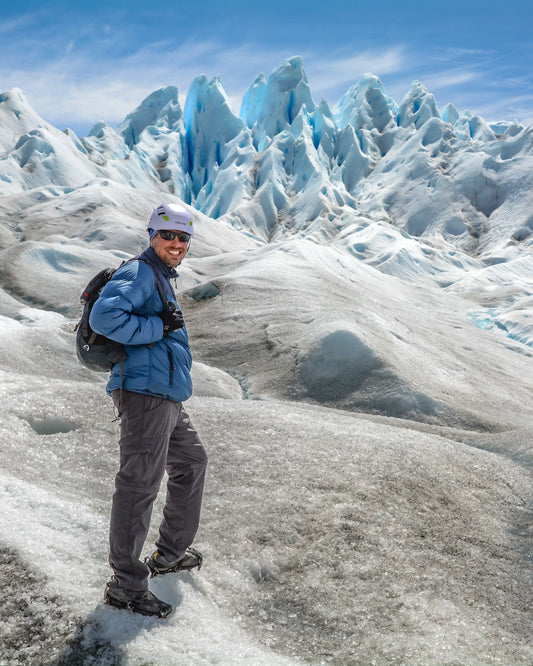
[(155, 434)]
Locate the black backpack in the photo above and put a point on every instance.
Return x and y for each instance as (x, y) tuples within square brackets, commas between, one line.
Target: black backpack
[(95, 351)]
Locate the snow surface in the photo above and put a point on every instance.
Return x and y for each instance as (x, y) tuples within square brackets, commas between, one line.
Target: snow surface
[(359, 297)]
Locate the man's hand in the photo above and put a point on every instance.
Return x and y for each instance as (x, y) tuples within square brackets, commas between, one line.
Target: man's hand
[(172, 321)]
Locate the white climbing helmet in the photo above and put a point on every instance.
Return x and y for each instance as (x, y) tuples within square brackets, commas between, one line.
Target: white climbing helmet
[(173, 217)]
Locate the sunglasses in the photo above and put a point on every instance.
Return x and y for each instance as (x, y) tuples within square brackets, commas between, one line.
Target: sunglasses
[(170, 235)]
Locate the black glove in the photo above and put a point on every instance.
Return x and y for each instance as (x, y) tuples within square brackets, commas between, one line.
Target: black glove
[(172, 321)]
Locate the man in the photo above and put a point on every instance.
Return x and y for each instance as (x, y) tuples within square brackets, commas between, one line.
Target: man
[(155, 431)]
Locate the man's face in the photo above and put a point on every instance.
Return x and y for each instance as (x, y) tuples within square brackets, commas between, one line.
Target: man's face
[(171, 252)]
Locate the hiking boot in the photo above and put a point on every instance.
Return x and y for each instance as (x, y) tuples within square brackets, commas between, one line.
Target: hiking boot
[(144, 603), (159, 565)]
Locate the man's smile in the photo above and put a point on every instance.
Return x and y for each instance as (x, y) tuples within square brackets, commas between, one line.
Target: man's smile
[(170, 252)]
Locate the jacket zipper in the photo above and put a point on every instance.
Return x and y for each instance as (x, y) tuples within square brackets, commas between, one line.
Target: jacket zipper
[(172, 367)]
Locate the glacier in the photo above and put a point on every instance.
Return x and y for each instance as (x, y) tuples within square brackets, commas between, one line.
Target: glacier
[(359, 297)]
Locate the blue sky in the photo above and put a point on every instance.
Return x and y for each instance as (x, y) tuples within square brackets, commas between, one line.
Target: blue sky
[(80, 62)]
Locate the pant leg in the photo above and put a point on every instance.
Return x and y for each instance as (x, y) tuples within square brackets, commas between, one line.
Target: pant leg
[(146, 425), (186, 466)]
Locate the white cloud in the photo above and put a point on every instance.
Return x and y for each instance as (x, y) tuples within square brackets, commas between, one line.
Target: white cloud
[(327, 74), (447, 79), (16, 25), (508, 108)]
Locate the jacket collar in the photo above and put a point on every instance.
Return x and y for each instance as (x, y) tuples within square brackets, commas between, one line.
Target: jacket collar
[(150, 256)]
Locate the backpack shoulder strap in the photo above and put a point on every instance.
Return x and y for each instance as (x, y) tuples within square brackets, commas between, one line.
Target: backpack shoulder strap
[(167, 305)]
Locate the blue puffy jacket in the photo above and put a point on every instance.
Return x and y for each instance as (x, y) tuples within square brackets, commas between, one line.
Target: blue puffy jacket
[(127, 312)]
